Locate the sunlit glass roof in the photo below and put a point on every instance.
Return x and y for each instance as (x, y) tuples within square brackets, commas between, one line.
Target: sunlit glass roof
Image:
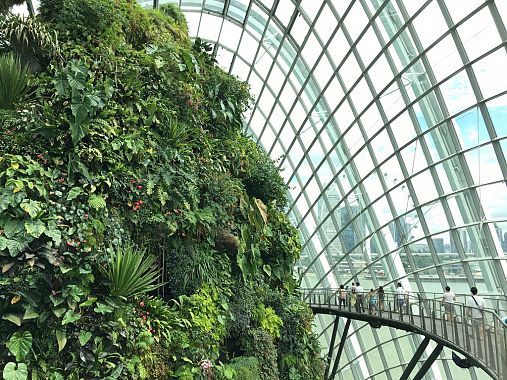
[(389, 120)]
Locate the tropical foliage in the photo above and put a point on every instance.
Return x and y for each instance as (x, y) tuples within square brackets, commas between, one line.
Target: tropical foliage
[(142, 233)]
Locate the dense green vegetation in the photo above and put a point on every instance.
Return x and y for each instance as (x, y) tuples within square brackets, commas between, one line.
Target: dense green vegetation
[(125, 169)]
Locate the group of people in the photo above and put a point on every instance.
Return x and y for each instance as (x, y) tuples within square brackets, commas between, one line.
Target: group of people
[(359, 299)]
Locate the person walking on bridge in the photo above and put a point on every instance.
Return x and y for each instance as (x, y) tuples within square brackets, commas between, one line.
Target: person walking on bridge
[(353, 295), (448, 299), (400, 297), (476, 304), (360, 298), (381, 298), (342, 296)]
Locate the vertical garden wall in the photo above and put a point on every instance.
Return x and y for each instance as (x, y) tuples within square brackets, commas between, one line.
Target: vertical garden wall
[(124, 167)]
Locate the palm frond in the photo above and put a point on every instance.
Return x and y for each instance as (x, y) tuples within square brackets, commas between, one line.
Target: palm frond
[(131, 272), (13, 82)]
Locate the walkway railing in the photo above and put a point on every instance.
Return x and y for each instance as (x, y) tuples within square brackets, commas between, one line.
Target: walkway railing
[(479, 334)]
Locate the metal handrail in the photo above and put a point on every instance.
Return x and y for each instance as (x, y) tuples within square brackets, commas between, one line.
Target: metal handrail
[(479, 334), (494, 302)]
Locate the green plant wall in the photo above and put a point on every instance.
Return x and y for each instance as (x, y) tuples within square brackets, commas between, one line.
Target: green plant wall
[(125, 168)]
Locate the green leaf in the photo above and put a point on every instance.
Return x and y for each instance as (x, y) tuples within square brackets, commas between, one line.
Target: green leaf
[(267, 269), (13, 318), (31, 207), (20, 344), (116, 373), (56, 376), (74, 193), (30, 313), (61, 84), (7, 266), (103, 308), (12, 373), (13, 227), (14, 246), (96, 202), (84, 337), (35, 228), (131, 272), (59, 312), (263, 210), (77, 82), (53, 232), (78, 130), (70, 317), (229, 373), (61, 337), (90, 301)]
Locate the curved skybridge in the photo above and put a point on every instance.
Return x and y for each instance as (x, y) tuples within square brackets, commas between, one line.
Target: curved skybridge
[(482, 342)]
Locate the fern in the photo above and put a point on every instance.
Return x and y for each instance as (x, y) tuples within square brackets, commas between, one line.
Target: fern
[(96, 202)]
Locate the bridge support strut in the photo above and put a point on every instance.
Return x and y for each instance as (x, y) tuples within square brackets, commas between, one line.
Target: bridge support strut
[(331, 346), (429, 362), (415, 359), (340, 349)]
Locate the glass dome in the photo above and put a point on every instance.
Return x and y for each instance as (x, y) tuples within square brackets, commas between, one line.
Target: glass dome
[(389, 121)]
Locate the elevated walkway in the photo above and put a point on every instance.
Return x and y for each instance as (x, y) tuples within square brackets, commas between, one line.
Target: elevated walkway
[(482, 341)]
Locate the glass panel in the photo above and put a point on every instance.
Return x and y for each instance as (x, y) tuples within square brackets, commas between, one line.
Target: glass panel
[(247, 47), (350, 71), (491, 74), (372, 121), (494, 200), (230, 35), (403, 129), (382, 211), (373, 186), (460, 9), (424, 187), (382, 146), (380, 74), (356, 20), (483, 165), (224, 58), (310, 7), (471, 129), (193, 20), (361, 95), (325, 24), (354, 139), (501, 233), (458, 93), (364, 164), (323, 72), (284, 11), (214, 6), (413, 157), (479, 34), (392, 101), (431, 15), (210, 26), (497, 109), (444, 58), (503, 144), (237, 9), (435, 217), (368, 47)]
